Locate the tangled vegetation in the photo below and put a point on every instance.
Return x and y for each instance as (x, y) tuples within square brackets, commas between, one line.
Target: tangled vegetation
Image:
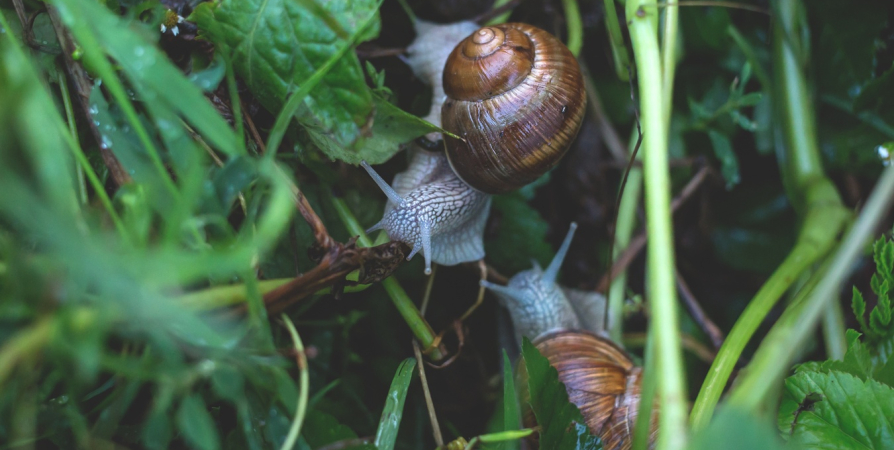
[(183, 262)]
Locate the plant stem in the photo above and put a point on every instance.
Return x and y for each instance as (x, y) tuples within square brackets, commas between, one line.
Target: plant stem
[(772, 360), (407, 309), (669, 58), (834, 331), (575, 26), (809, 190), (625, 223), (660, 258), (619, 50), (304, 385)]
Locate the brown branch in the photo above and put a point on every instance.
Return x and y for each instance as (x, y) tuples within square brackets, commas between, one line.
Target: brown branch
[(639, 241), (338, 260), (83, 86), (432, 416), (697, 313)]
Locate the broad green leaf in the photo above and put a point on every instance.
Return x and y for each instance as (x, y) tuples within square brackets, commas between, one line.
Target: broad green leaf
[(842, 412), (157, 431), (736, 430), (277, 45), (196, 424), (321, 429), (392, 127), (389, 423), (561, 424), (521, 235)]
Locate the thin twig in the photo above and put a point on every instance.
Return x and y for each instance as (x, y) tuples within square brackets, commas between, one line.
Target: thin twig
[(428, 286), (639, 242), (254, 131), (84, 87), (690, 343), (616, 146), (435, 428), (482, 267), (697, 313), (730, 5)]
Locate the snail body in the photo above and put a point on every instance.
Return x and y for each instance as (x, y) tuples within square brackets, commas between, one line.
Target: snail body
[(601, 380), (514, 93), (434, 212)]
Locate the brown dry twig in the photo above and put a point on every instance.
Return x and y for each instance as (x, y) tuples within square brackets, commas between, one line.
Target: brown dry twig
[(639, 241), (335, 260), (83, 87), (697, 313)]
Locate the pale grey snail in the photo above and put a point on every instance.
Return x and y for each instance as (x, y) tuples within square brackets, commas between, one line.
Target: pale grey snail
[(514, 93), (601, 380)]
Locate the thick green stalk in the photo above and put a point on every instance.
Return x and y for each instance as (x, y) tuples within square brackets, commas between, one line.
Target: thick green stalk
[(619, 50), (812, 244), (642, 22), (407, 309), (575, 26), (810, 191), (773, 358), (669, 58)]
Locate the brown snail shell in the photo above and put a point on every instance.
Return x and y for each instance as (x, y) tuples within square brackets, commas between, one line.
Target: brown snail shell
[(515, 95), (601, 381)]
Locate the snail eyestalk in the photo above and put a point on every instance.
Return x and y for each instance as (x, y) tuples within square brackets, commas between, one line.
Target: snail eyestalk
[(384, 186), (553, 270)]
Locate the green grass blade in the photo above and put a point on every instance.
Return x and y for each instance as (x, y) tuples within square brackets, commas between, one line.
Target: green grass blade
[(389, 424)]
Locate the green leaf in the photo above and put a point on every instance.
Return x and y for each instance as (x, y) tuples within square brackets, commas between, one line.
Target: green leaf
[(277, 45), (210, 77), (389, 423), (737, 430), (392, 127), (228, 383), (847, 412), (511, 416), (859, 307), (561, 423), (321, 429), (729, 163), (883, 254), (157, 431), (521, 235), (196, 424)]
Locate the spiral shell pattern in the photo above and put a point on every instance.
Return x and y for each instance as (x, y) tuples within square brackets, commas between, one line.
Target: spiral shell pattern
[(515, 95)]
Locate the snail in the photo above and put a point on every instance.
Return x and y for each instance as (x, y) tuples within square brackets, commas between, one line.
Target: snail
[(514, 94), (600, 378)]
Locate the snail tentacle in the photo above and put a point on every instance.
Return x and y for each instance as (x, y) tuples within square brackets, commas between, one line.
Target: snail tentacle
[(383, 185)]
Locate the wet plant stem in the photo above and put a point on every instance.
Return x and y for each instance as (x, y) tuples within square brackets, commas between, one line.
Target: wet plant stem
[(812, 193), (773, 358), (575, 26), (407, 309), (642, 23)]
